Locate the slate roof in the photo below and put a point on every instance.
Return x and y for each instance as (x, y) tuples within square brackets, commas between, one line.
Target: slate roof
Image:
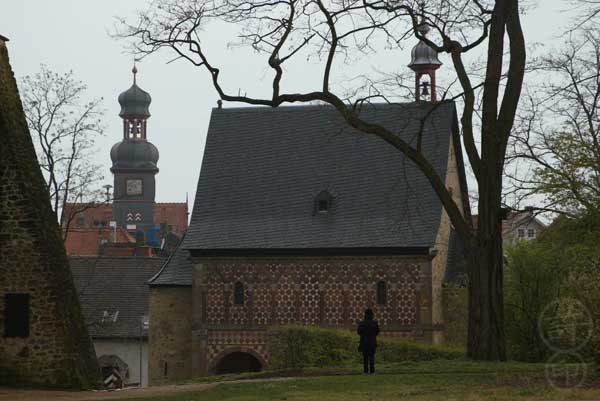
[(114, 284), (176, 271), (263, 168)]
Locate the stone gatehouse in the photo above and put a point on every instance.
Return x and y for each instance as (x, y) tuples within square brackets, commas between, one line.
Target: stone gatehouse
[(299, 219)]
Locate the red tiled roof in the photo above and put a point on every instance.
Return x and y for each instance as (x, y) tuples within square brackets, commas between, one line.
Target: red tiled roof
[(86, 241), (90, 225), (173, 214), (94, 215)]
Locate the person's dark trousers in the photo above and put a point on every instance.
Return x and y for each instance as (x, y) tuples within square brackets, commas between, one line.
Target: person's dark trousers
[(369, 362)]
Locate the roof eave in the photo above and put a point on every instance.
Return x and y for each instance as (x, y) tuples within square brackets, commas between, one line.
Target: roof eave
[(354, 251)]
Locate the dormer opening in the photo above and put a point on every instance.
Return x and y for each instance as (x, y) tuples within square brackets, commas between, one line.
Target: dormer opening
[(323, 202)]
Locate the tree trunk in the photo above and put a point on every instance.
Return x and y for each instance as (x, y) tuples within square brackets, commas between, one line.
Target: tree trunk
[(484, 258)]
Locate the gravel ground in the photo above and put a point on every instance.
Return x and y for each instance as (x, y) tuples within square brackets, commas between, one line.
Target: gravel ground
[(10, 394)]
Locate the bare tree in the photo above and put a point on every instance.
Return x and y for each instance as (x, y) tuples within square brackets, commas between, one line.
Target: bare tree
[(588, 12), (285, 31), (64, 128), (558, 134)]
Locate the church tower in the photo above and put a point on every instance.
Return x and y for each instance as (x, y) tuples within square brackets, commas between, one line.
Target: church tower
[(134, 163)]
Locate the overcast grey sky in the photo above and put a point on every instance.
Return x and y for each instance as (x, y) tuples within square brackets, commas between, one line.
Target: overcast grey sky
[(74, 34)]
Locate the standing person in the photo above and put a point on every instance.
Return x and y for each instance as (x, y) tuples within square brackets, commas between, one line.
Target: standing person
[(368, 329)]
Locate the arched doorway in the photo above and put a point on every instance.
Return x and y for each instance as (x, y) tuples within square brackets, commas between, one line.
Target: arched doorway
[(238, 362)]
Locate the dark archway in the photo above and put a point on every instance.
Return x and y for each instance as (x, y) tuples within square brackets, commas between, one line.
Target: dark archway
[(238, 362)]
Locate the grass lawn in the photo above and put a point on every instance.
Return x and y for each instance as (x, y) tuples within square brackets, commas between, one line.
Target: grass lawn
[(423, 381)]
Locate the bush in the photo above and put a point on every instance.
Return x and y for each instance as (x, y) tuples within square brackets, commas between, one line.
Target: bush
[(296, 347), (562, 263), (533, 279), (456, 314)]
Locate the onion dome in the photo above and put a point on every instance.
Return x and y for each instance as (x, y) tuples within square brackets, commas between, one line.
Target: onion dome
[(135, 101), (422, 55), (132, 154)]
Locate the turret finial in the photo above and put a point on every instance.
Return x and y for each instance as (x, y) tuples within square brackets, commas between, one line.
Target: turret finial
[(134, 70)]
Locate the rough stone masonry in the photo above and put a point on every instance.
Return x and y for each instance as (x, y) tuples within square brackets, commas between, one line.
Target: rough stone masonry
[(43, 338)]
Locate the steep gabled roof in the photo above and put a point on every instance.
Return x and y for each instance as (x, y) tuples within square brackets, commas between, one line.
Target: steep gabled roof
[(263, 168), (107, 285)]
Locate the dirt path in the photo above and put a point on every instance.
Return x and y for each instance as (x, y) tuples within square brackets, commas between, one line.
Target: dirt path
[(9, 394)]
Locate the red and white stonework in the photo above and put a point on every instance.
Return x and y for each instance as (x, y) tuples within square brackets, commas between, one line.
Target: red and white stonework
[(324, 291), (328, 291)]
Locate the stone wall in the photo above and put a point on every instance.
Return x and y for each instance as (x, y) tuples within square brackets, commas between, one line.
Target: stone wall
[(442, 244), (324, 291), (57, 351), (170, 335)]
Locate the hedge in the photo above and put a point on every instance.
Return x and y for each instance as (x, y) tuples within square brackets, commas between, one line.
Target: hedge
[(293, 347)]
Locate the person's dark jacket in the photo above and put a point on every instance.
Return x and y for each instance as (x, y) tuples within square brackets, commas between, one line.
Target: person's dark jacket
[(368, 331)]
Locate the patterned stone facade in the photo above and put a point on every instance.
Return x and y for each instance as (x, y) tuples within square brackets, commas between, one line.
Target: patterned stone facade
[(50, 346), (324, 291)]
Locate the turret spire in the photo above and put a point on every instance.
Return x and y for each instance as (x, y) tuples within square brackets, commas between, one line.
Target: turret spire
[(134, 70)]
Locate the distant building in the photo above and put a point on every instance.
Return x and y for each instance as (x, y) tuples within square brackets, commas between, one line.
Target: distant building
[(299, 218), (114, 298), (89, 241), (521, 226), (117, 246)]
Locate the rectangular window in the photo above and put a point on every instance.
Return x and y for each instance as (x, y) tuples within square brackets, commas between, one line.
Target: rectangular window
[(80, 220), (531, 233), (521, 233), (16, 315), (238, 293), (381, 293)]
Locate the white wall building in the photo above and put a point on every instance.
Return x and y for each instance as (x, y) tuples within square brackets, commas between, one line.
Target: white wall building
[(113, 293)]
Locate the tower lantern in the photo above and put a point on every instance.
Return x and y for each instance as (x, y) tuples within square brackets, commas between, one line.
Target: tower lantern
[(424, 62), (134, 110)]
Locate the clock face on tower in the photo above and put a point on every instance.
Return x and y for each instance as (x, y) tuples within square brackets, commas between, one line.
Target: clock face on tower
[(134, 186)]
